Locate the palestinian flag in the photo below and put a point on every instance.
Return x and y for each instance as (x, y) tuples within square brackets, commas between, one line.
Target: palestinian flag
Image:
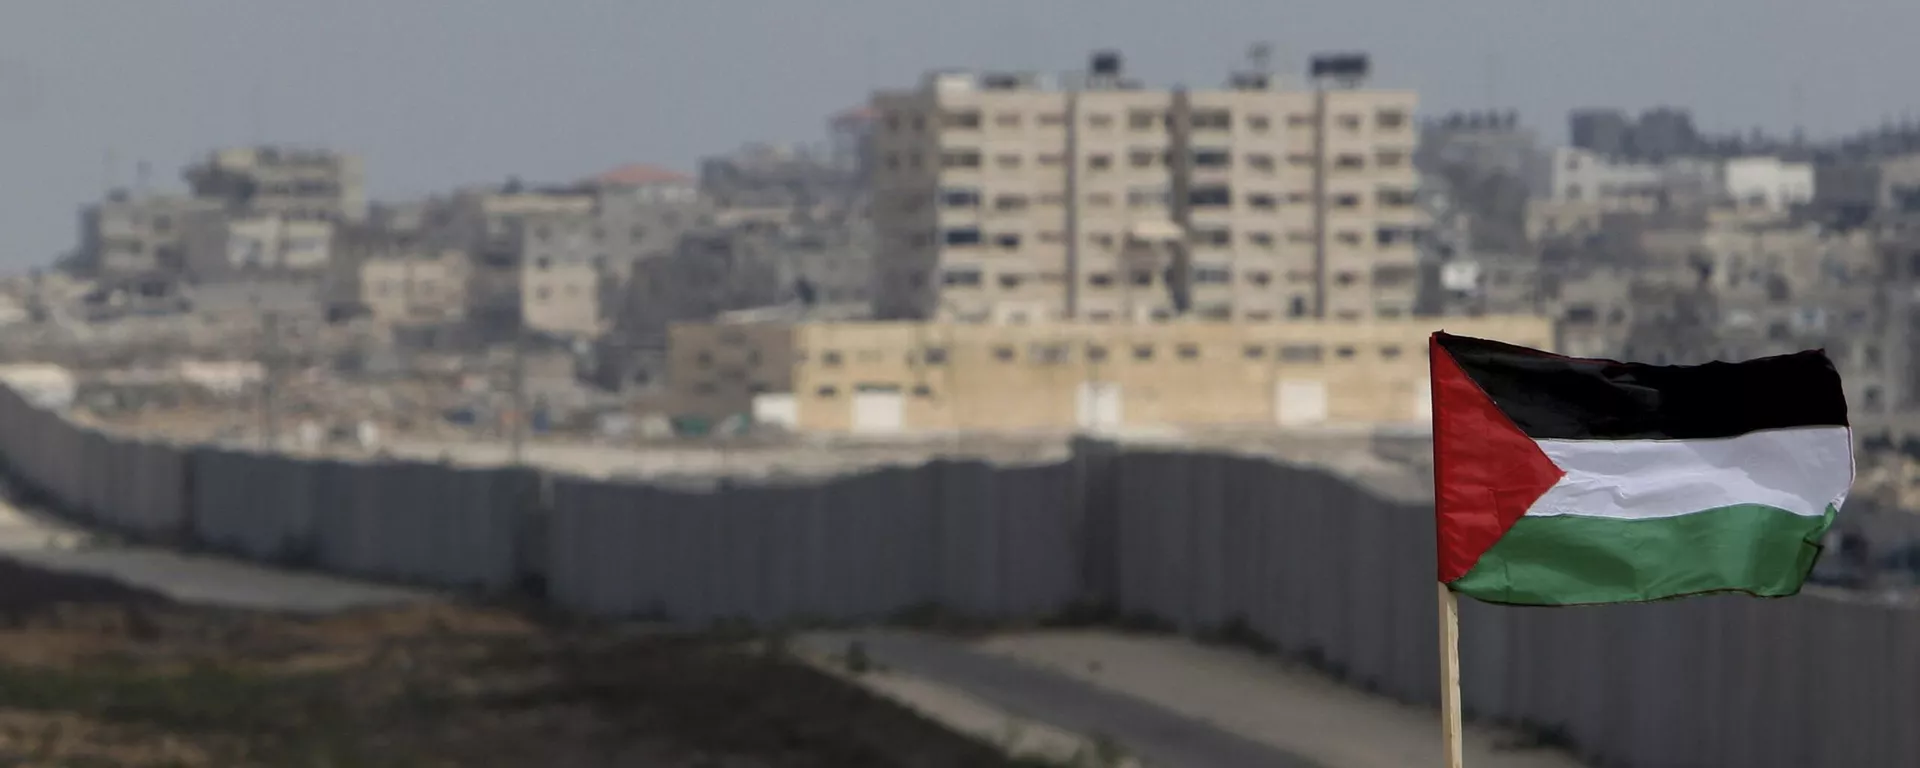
[(1567, 481)]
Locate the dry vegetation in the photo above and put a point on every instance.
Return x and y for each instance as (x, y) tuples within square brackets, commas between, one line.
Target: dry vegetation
[(94, 674)]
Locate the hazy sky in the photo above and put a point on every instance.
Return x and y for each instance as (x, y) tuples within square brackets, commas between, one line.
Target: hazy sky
[(435, 93)]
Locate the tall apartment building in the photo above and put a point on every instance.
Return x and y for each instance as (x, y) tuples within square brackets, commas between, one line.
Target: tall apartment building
[(1010, 198), (283, 181)]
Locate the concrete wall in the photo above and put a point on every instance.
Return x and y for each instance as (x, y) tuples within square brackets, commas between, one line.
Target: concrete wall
[(1308, 562)]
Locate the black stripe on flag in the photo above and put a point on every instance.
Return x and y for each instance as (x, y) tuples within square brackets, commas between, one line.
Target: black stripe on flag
[(1566, 398)]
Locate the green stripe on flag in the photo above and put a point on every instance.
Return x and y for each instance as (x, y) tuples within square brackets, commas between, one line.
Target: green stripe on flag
[(1574, 560)]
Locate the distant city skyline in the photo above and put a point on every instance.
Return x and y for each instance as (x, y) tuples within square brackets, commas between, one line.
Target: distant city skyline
[(438, 94)]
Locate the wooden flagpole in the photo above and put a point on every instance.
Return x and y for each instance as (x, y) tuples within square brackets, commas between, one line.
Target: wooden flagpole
[(1450, 675)]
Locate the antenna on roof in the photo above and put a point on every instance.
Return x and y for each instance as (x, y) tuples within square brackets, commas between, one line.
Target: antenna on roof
[(1260, 57)]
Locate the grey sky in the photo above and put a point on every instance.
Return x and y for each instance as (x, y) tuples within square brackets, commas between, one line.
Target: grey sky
[(439, 92)]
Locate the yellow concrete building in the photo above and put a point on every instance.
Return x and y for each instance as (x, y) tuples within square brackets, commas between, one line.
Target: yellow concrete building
[(1010, 197), (416, 287), (881, 378)]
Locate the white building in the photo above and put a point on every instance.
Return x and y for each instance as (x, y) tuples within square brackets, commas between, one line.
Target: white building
[(1767, 183), (1579, 176)]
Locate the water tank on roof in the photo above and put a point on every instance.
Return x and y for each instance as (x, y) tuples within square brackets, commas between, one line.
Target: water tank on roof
[(1106, 63), (1347, 69)]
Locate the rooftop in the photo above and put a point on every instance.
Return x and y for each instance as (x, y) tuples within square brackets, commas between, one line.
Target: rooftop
[(638, 175)]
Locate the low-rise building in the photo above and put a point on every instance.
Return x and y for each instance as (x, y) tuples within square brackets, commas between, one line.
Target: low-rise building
[(290, 182), (417, 288), (564, 298), (880, 378), (218, 247), (131, 235)]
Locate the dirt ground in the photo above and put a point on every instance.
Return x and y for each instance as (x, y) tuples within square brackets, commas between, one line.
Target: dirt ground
[(95, 674)]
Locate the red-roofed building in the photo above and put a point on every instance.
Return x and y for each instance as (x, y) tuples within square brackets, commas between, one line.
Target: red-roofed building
[(637, 175)]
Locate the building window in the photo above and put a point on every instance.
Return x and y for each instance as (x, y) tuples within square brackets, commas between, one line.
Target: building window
[(1254, 351), (1100, 162), (1349, 122), (922, 390), (1047, 354), (1300, 353), (1053, 119), (827, 391), (1263, 201), (1096, 353), (1143, 119), (1260, 278), (1211, 196), (1051, 158), (1213, 237), (1212, 157), (1212, 120), (1147, 197), (1344, 353), (1003, 353), (1394, 275), (960, 158), (1390, 352), (543, 264), (1100, 279), (1143, 352), (1007, 241), (1261, 162), (966, 119), (1143, 277), (1100, 200), (962, 236), (543, 293), (961, 278), (1300, 160), (1010, 281), (1007, 161), (1143, 158), (1188, 351), (1208, 275), (1100, 120), (1346, 200), (1351, 238), (1258, 123), (830, 358), (1007, 120), (1390, 119), (933, 356), (1010, 202), (960, 197), (1394, 198), (1390, 158), (1350, 162)]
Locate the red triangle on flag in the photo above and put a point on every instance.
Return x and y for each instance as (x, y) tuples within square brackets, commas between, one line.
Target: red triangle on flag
[(1486, 472)]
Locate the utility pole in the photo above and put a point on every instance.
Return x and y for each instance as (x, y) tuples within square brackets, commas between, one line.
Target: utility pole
[(270, 338), (1072, 209), (517, 436)]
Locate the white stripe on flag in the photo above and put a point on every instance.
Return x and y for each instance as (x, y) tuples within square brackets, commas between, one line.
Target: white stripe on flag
[(1799, 470)]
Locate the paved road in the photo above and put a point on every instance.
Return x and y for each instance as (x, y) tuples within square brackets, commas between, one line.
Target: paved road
[(1154, 735), (35, 539)]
